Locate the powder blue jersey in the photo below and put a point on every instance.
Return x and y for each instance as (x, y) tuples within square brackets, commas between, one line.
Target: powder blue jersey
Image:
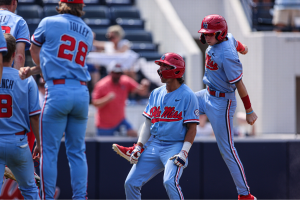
[(15, 25), (222, 66), (3, 48), (64, 46), (169, 112), (19, 101)]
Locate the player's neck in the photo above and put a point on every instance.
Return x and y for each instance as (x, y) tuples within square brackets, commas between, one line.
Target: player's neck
[(172, 85), (5, 7)]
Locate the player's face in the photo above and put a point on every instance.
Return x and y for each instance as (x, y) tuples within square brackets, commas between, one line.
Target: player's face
[(210, 39), (163, 67)]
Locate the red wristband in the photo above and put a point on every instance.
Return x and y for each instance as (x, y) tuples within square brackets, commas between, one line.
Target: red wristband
[(240, 47), (246, 102)]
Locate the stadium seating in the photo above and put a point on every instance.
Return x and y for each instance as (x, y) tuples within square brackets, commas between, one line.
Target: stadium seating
[(118, 2), (127, 16), (96, 16), (138, 36), (49, 10)]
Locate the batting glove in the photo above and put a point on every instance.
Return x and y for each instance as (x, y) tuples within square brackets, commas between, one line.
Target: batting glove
[(180, 158), (136, 153)]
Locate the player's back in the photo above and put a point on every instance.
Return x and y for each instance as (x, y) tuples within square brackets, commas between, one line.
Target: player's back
[(19, 100), (65, 41), (15, 25)]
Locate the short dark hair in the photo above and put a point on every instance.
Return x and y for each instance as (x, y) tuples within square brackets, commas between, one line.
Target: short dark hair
[(5, 2), (70, 8), (11, 47)]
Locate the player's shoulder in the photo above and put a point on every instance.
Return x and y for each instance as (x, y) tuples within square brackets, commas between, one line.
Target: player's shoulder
[(186, 90), (14, 16)]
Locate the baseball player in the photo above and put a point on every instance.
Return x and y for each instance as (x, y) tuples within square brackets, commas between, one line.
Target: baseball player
[(17, 26), (172, 116), (62, 42), (19, 108), (223, 75)]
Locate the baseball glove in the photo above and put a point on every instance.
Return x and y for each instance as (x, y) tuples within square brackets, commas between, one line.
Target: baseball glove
[(8, 174)]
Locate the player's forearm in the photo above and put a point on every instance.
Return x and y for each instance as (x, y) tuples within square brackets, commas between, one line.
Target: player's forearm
[(34, 122), (19, 61), (191, 132), (243, 94), (35, 54), (145, 133), (35, 70)]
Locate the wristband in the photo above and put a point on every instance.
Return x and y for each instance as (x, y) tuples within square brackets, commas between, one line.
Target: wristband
[(240, 47), (249, 112), (186, 146), (246, 102)]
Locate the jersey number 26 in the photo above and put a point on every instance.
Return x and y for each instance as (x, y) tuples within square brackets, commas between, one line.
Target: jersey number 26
[(69, 45)]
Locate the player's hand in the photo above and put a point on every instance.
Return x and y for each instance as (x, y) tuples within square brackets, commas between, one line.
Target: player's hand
[(136, 153), (36, 153), (180, 159), (245, 51), (251, 118), (24, 72)]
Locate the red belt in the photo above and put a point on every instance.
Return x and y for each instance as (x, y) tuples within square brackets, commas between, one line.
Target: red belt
[(213, 93), (21, 133), (63, 81)]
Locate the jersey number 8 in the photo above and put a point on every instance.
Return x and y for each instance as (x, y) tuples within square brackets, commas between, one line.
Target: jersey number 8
[(81, 50)]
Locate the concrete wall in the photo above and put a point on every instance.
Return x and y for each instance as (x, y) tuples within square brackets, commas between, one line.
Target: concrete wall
[(270, 67), (168, 31)]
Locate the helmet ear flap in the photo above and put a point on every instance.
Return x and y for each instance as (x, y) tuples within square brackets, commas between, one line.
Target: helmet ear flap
[(202, 39), (217, 36)]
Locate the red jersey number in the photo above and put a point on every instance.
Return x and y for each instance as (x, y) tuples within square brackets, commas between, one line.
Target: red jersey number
[(5, 106), (5, 29), (69, 45)]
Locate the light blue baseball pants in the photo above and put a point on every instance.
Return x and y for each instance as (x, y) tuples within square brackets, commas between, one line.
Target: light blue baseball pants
[(65, 110), (153, 160), (15, 153), (220, 113)]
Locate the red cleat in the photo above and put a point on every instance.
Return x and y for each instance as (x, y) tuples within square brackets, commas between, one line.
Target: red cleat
[(125, 152), (249, 196)]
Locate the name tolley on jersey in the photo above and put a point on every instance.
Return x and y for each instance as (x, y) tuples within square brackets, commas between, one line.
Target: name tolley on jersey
[(65, 41)]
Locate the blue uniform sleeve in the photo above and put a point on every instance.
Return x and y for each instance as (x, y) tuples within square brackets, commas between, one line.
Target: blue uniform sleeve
[(3, 48), (232, 66), (23, 34), (38, 38), (191, 110), (34, 106), (90, 41), (146, 112)]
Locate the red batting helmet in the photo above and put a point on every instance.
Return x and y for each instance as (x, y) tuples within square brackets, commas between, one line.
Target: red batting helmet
[(213, 24), (72, 1), (174, 60)]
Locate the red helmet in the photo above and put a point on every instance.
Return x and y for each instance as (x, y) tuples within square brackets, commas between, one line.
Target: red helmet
[(174, 60), (213, 24)]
